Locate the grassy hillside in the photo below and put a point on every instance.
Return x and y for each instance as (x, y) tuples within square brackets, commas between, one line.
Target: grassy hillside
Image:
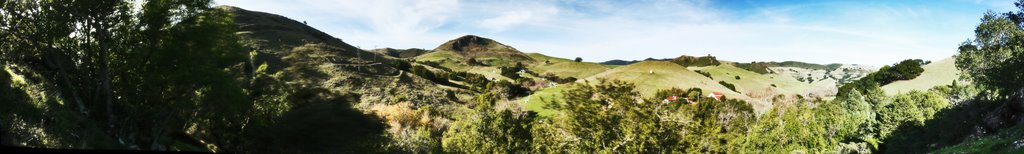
[(823, 78), (666, 75), (564, 67), (942, 72), (536, 101), (756, 85), (440, 56)]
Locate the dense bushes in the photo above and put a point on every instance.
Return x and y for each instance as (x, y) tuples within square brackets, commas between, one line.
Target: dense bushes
[(489, 130), (401, 65), (510, 72), (429, 75), (609, 117), (794, 126), (612, 122), (508, 88), (909, 110), (513, 72)]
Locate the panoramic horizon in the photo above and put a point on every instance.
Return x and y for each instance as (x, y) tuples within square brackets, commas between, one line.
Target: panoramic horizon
[(823, 32), (498, 76)]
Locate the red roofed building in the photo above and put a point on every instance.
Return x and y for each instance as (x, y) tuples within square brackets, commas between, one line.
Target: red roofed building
[(716, 95)]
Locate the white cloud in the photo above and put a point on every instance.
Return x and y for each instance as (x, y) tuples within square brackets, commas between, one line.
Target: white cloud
[(514, 18)]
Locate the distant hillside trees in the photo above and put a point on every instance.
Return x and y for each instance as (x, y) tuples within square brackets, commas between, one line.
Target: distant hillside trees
[(690, 61), (706, 74), (761, 68), (553, 78), (403, 53), (578, 59), (728, 85), (904, 70), (619, 62), (764, 67)]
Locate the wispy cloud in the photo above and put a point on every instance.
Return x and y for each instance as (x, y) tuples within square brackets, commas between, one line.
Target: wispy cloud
[(514, 18), (864, 32)]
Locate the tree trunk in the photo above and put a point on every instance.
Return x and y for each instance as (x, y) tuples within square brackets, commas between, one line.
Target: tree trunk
[(108, 93)]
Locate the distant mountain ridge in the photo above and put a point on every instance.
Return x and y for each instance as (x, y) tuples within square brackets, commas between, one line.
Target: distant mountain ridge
[(401, 53)]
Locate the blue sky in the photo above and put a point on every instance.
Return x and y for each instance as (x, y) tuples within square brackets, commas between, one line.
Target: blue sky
[(858, 32)]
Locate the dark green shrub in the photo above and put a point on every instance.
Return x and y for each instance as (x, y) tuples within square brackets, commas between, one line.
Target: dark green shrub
[(706, 74), (728, 85)]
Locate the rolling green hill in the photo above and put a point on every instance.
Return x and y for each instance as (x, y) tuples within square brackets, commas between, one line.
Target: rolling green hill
[(564, 67), (484, 50), (942, 72), (756, 85), (825, 78), (665, 75)]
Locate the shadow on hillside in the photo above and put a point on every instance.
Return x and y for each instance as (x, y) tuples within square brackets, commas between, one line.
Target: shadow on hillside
[(321, 128), (949, 127)]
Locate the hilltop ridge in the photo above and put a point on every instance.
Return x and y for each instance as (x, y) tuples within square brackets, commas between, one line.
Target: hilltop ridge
[(480, 49)]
